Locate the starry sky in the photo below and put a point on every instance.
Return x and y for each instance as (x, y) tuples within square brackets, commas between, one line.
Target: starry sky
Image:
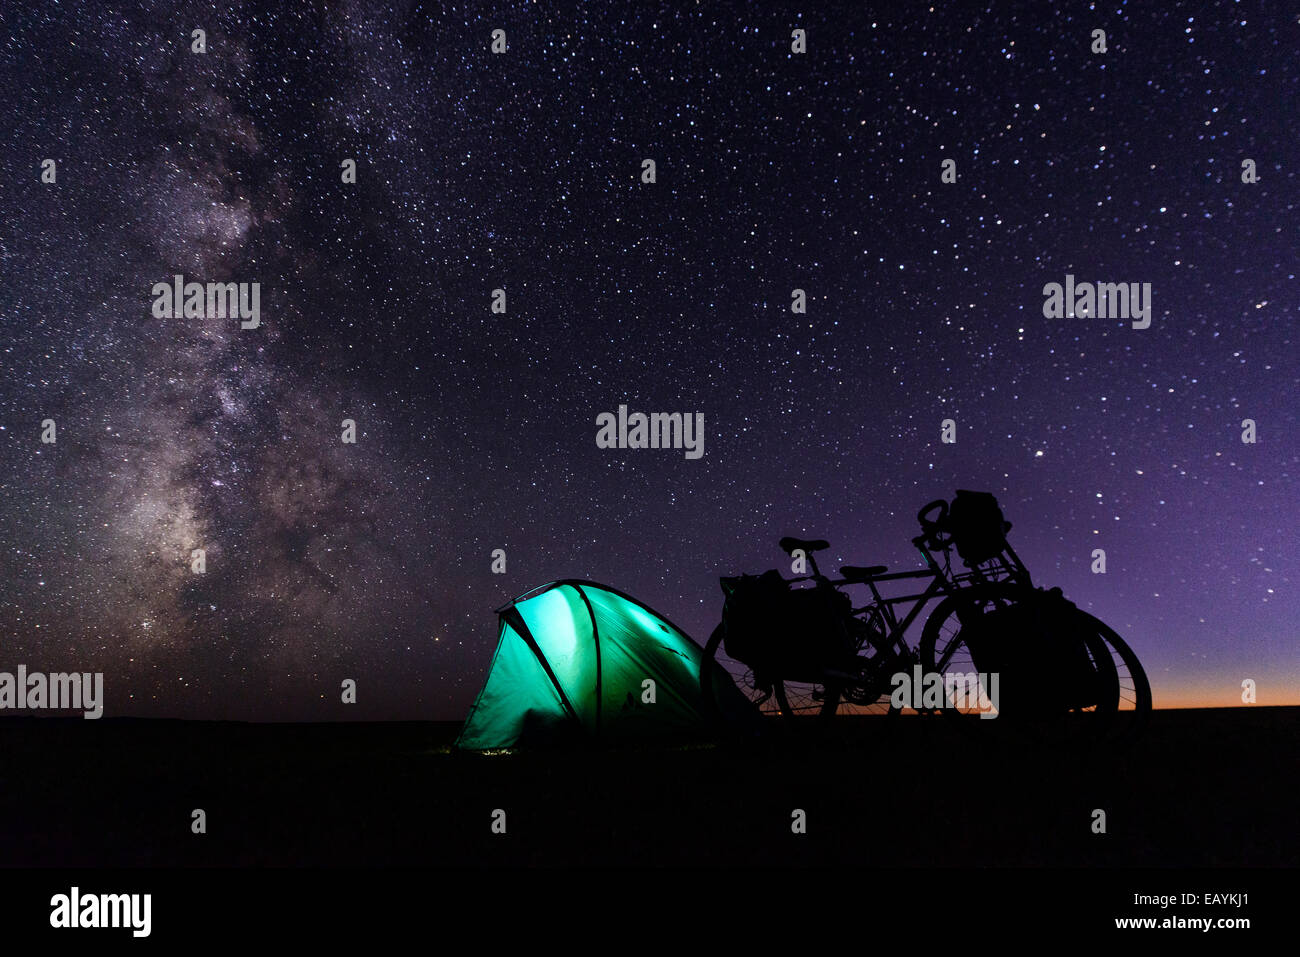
[(476, 430)]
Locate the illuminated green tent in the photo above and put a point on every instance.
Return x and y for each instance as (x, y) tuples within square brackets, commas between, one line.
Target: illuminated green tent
[(580, 660)]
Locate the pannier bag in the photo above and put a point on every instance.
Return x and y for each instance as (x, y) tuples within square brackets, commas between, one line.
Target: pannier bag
[(784, 632), (1042, 650), (977, 527)]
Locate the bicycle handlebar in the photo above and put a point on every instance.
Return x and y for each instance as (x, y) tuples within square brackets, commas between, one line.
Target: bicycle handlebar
[(934, 530), (923, 515)]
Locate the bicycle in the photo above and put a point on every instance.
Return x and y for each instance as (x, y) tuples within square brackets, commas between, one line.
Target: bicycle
[(1063, 663)]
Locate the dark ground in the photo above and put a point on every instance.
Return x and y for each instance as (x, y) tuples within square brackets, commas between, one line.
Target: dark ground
[(1203, 788)]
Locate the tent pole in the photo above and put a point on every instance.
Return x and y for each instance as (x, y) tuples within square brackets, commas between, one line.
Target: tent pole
[(516, 621), (595, 636)]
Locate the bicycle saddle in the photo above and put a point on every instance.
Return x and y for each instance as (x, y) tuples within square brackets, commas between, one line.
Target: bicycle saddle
[(862, 573), (806, 545)]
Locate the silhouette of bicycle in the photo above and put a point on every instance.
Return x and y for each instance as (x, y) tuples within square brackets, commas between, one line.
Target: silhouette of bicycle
[(799, 648)]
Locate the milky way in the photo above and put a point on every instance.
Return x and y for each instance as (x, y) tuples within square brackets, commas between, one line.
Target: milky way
[(476, 430)]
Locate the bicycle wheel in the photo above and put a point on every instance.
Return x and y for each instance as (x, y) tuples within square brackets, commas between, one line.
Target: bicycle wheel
[(867, 688), (1120, 700), (1133, 690), (943, 649), (772, 696), (798, 699)]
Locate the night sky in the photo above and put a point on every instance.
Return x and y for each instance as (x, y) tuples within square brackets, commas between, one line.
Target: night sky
[(476, 430)]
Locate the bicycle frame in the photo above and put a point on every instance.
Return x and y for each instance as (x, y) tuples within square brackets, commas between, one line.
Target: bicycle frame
[(942, 581), (886, 632), (852, 675)]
